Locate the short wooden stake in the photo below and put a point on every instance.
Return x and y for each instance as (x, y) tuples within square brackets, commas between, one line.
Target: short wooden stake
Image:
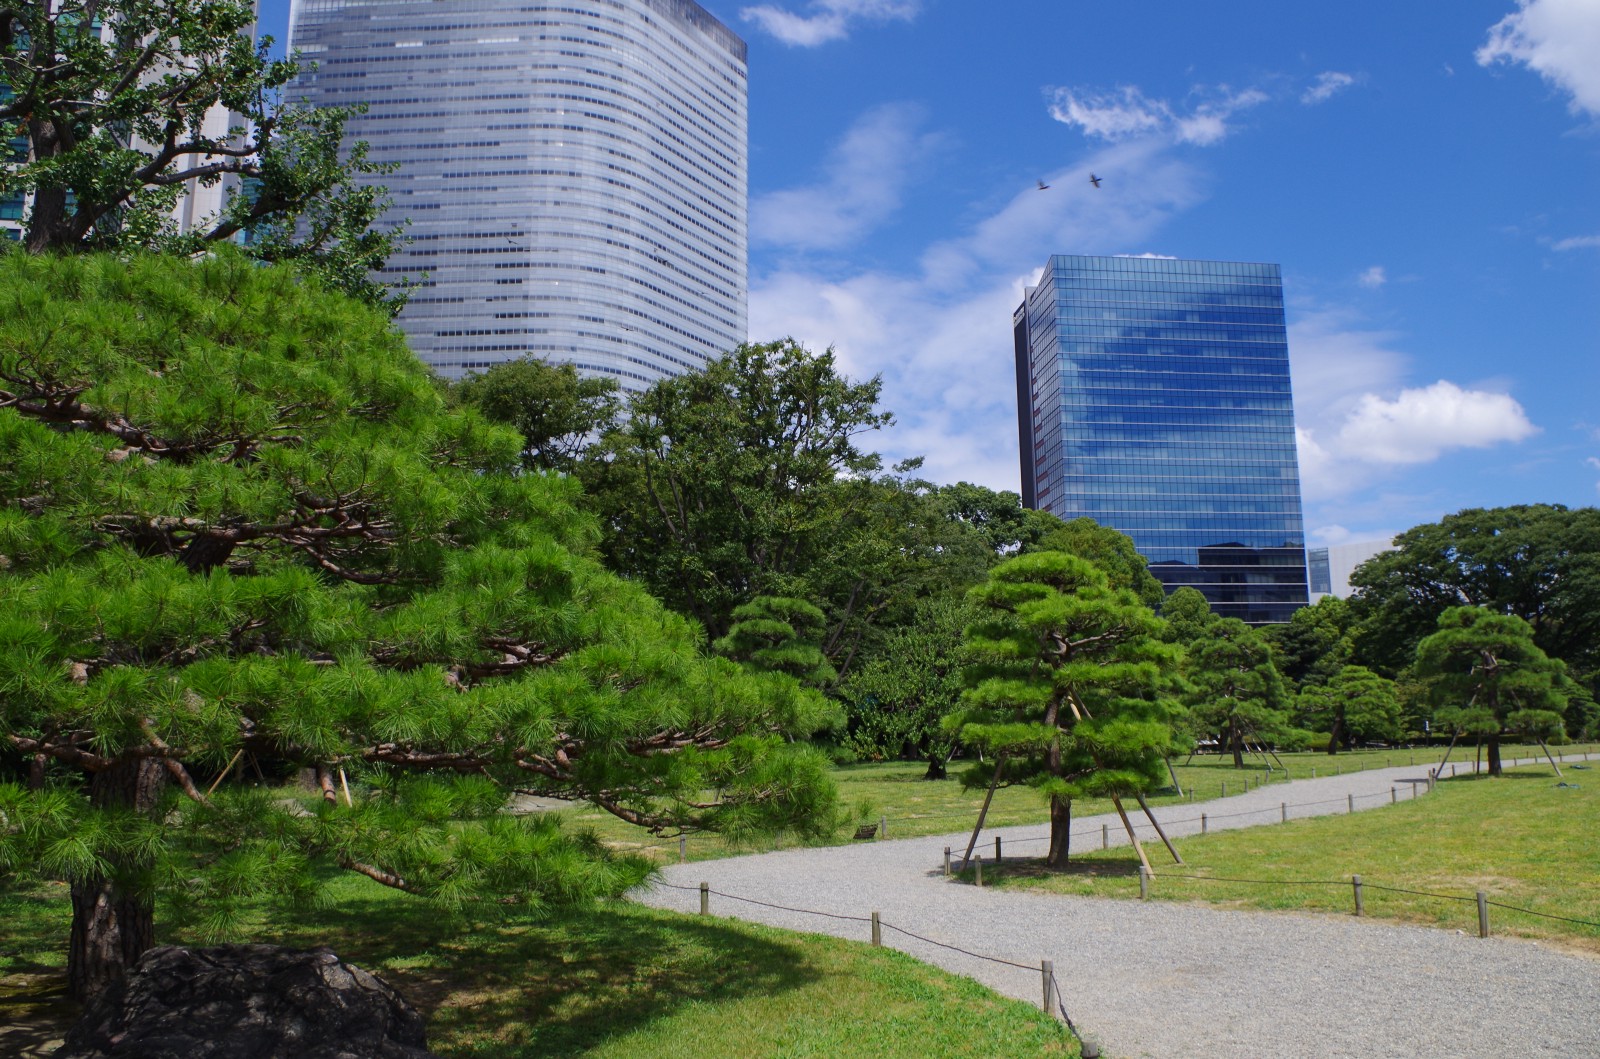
[(1047, 971), (1350, 800), (997, 857), (1313, 772), (1355, 884), (877, 930), (1224, 788), (1144, 883), (1105, 836), (705, 899), (1202, 823), (1483, 914), (883, 827), (1413, 790), (1394, 795), (947, 860), (977, 864), (1283, 811), (683, 848)]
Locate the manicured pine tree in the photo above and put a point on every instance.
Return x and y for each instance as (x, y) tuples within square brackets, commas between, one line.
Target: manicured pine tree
[(1488, 665), (237, 525), (1066, 672), (1235, 690), (1356, 704)]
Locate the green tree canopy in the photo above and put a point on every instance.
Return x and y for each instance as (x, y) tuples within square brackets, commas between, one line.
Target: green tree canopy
[(235, 519), (1066, 672), (1357, 704), (1488, 666), (1110, 550), (998, 517), (1188, 615), (1315, 643), (112, 99), (1236, 692), (558, 412), (778, 635), (1536, 562)]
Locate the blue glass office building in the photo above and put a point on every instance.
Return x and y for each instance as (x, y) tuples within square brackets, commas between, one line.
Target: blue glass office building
[(1153, 397)]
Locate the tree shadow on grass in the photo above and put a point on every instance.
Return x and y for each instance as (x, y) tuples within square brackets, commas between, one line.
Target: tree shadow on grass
[(510, 987)]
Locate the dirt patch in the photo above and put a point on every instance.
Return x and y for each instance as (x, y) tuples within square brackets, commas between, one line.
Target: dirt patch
[(35, 1014)]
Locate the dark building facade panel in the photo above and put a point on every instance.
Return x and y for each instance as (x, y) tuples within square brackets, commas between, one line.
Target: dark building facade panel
[(1154, 397)]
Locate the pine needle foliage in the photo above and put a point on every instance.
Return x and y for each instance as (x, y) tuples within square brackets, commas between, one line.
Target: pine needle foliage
[(239, 529), (1067, 674)]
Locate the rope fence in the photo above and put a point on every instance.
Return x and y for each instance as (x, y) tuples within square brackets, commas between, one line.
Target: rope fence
[(1053, 999)]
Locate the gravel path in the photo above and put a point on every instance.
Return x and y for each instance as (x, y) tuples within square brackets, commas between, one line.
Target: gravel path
[(1177, 981)]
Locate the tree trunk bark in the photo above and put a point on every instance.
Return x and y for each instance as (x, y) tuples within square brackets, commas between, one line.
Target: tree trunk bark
[(1060, 832), (1335, 735), (111, 927), (1494, 754), (1236, 742)]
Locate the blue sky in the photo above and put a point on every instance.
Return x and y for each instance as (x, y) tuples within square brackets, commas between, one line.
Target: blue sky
[(1428, 176)]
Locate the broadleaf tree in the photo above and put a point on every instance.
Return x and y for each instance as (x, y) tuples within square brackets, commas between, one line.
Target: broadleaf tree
[(237, 524), (116, 102), (1067, 687), (1356, 705)]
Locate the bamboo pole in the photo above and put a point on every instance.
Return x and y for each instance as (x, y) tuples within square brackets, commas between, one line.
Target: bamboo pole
[(1550, 759), (237, 754), (999, 763)]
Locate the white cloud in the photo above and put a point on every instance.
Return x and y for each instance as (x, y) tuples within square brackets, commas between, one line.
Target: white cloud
[(1595, 463), (1373, 277), (1419, 425), (1150, 256), (1577, 242), (1328, 84), (864, 176), (827, 20), (1559, 39), (1127, 112)]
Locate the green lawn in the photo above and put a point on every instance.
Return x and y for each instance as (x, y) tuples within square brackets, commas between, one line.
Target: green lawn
[(616, 982), (916, 807), (1521, 839)]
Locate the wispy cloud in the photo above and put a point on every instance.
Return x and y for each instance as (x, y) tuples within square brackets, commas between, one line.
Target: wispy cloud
[(863, 178), (1595, 463), (823, 21), (1373, 277), (1328, 84), (1577, 242), (1126, 112), (1559, 39)]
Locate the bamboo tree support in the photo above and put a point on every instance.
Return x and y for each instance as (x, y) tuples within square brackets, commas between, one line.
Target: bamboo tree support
[(1144, 860), (1451, 746), (1157, 825), (1173, 773), (1550, 759), (999, 763), (237, 754), (344, 785)]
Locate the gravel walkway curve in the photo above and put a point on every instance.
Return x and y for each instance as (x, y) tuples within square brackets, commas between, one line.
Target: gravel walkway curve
[(1178, 981)]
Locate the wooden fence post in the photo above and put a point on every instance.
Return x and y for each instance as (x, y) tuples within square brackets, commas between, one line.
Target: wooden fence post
[(977, 863), (705, 898), (1047, 971), (883, 827), (1355, 884), (877, 930), (1483, 914), (1350, 800), (947, 861), (997, 857), (1394, 795), (1283, 811), (1202, 823), (683, 848), (1105, 836), (1144, 883)]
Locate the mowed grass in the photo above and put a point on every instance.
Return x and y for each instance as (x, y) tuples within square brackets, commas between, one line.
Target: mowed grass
[(617, 981), (915, 807), (1521, 839)]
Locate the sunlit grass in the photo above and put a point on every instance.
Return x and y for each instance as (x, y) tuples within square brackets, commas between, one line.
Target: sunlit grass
[(1522, 839)]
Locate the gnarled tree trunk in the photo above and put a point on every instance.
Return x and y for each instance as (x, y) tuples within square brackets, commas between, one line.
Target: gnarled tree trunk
[(112, 928), (1060, 832)]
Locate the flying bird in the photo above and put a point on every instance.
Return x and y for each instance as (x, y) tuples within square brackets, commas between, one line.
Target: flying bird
[(1094, 180), (1043, 186)]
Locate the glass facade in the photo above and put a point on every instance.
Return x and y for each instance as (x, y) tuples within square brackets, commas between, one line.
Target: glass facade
[(574, 173), (1153, 397)]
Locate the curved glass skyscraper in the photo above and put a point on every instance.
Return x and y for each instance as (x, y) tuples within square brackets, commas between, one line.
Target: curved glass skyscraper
[(1153, 397), (574, 173)]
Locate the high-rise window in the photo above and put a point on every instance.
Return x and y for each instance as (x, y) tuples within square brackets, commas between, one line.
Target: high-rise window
[(1153, 397), (573, 173)]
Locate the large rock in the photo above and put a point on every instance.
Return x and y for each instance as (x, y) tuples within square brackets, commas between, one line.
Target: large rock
[(248, 1002)]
